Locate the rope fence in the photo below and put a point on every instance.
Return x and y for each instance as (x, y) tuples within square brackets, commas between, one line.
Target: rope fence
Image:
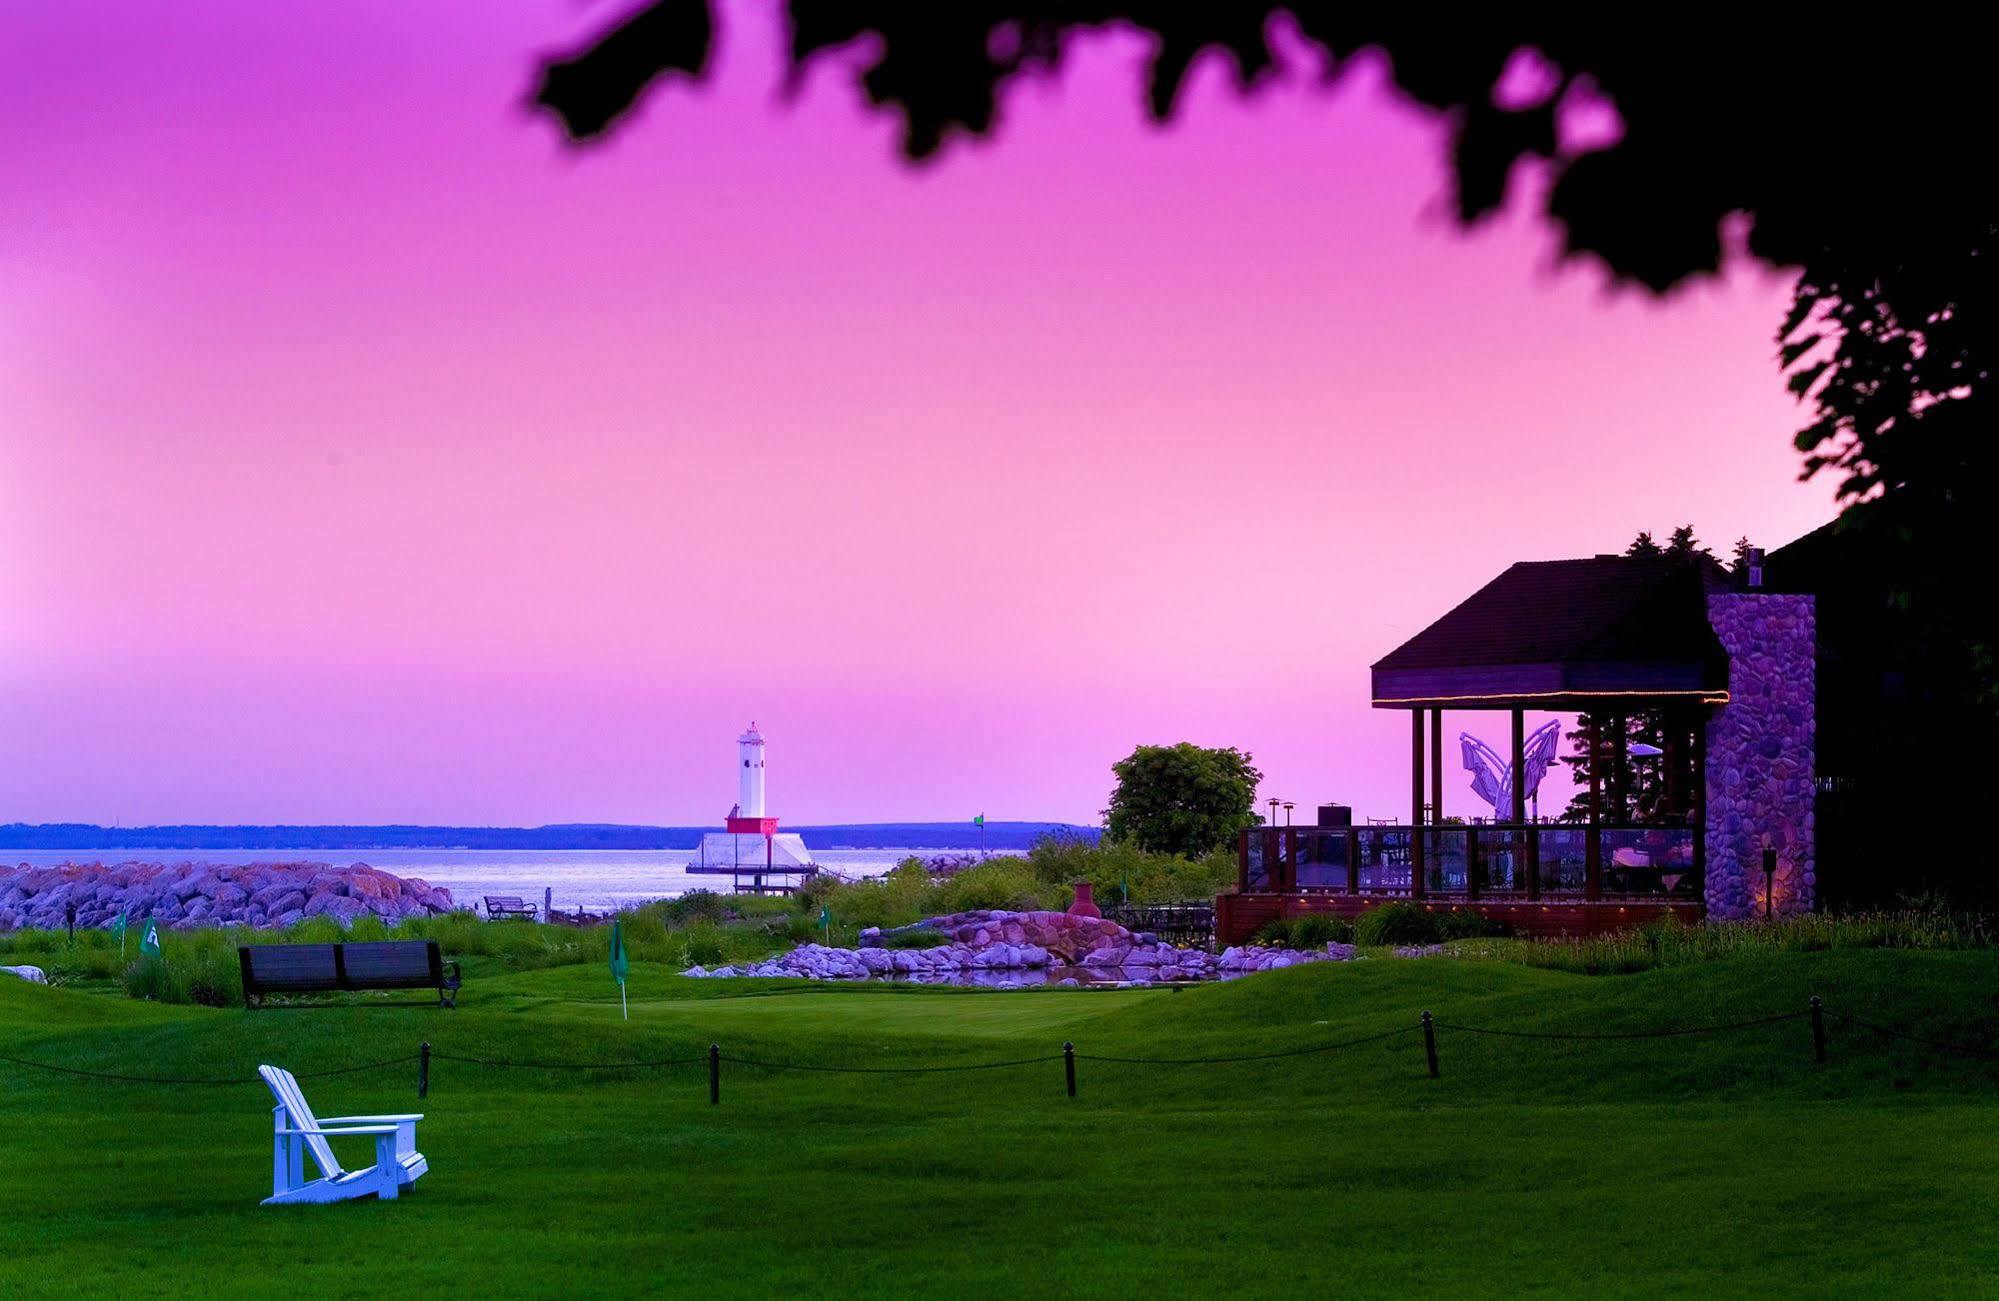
[(1427, 1026)]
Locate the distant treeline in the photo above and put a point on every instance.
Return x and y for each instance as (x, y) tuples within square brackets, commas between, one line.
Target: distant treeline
[(585, 835)]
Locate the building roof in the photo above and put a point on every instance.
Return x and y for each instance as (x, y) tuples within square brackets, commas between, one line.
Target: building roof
[(1556, 634)]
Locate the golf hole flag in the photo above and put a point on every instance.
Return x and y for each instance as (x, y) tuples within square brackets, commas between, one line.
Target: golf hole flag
[(118, 929), (149, 943), (620, 964)]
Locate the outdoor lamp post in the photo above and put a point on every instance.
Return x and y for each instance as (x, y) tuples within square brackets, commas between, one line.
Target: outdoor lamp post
[(1287, 812), (1769, 881), (1273, 810)]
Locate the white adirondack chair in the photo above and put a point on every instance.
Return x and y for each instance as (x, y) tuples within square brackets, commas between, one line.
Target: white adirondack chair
[(296, 1131)]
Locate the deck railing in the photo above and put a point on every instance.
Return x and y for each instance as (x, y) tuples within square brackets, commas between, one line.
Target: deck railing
[(1540, 860)]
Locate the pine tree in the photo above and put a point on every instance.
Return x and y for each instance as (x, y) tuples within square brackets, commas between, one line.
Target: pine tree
[(1647, 781)]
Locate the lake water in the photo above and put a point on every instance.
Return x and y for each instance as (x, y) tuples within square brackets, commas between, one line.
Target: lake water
[(588, 878)]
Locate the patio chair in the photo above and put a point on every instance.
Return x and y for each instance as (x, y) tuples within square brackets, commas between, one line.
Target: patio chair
[(296, 1131)]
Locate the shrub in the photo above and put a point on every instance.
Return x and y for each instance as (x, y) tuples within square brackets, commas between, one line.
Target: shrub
[(194, 967), (997, 883), (1467, 925), (1320, 929), (704, 945), (695, 905), (1397, 923), (1115, 869), (1275, 934)]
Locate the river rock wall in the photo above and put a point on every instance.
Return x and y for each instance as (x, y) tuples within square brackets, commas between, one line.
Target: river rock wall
[(1760, 791), (1068, 937), (184, 895)]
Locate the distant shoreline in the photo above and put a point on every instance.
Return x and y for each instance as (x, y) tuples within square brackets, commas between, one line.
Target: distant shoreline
[(572, 836)]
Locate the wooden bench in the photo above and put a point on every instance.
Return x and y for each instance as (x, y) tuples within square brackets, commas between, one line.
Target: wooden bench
[(509, 905), (346, 968)]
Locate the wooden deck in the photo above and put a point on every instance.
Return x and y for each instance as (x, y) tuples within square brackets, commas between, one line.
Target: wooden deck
[(1239, 916)]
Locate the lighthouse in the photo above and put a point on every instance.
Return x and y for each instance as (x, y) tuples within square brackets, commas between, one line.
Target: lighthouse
[(751, 850), (750, 745)]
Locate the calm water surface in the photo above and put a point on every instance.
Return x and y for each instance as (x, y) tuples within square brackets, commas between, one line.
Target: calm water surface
[(589, 878)]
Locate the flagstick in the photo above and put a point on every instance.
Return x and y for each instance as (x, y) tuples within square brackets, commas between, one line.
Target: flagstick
[(621, 1001)]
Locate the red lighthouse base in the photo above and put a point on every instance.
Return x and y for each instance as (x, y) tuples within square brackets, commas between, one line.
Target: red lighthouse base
[(752, 826)]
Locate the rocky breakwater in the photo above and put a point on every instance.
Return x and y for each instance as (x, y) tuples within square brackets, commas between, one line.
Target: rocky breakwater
[(184, 895), (990, 942)]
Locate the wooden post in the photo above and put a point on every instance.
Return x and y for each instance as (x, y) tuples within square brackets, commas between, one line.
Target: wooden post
[(1620, 766), (1069, 1066), (1674, 760), (714, 1074), (423, 1070), (1353, 860), (1818, 1028), (1593, 846), (1700, 799), (1524, 866), (1416, 803), (1430, 1043), (1437, 767), (1471, 860)]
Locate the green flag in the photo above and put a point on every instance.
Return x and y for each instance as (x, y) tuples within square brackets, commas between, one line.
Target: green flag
[(149, 943), (979, 821), (825, 918), (620, 964), (118, 929)]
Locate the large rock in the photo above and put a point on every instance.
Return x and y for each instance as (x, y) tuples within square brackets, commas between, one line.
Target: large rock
[(204, 894)]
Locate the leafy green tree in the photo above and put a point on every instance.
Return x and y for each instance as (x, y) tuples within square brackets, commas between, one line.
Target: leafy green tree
[(1182, 799)]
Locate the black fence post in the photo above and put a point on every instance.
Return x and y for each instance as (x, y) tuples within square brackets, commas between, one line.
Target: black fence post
[(70, 912), (1430, 1043), (714, 1074), (1069, 1066), (1818, 1028), (423, 1070)]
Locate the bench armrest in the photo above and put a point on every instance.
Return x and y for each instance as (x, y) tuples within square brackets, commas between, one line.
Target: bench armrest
[(369, 1120), (351, 1129)]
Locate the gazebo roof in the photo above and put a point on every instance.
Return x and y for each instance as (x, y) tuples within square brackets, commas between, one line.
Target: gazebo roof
[(1566, 634)]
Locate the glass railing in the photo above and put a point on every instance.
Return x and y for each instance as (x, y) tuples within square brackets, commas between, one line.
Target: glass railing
[(1471, 859), (1319, 858), (1649, 861)]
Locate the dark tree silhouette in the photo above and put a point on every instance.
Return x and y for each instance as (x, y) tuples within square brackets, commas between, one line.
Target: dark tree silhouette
[(1849, 147), (1779, 121), (1647, 784)]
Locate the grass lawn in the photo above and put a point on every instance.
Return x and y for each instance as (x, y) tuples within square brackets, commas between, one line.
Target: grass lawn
[(1729, 1164)]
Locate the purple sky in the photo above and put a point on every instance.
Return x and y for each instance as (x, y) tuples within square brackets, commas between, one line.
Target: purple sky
[(366, 455)]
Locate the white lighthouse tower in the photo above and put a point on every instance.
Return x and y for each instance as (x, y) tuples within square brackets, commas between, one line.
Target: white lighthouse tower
[(760, 858), (750, 745)]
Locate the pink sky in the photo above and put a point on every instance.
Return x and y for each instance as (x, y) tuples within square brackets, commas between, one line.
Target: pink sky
[(366, 455)]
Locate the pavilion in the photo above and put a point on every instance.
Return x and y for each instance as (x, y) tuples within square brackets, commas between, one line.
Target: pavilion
[(1723, 666)]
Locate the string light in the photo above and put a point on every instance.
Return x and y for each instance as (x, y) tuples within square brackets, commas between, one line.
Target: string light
[(1707, 697)]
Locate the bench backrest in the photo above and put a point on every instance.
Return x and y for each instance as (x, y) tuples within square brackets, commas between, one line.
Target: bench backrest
[(315, 968), (506, 903), (300, 967), (285, 1089), (392, 964)]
